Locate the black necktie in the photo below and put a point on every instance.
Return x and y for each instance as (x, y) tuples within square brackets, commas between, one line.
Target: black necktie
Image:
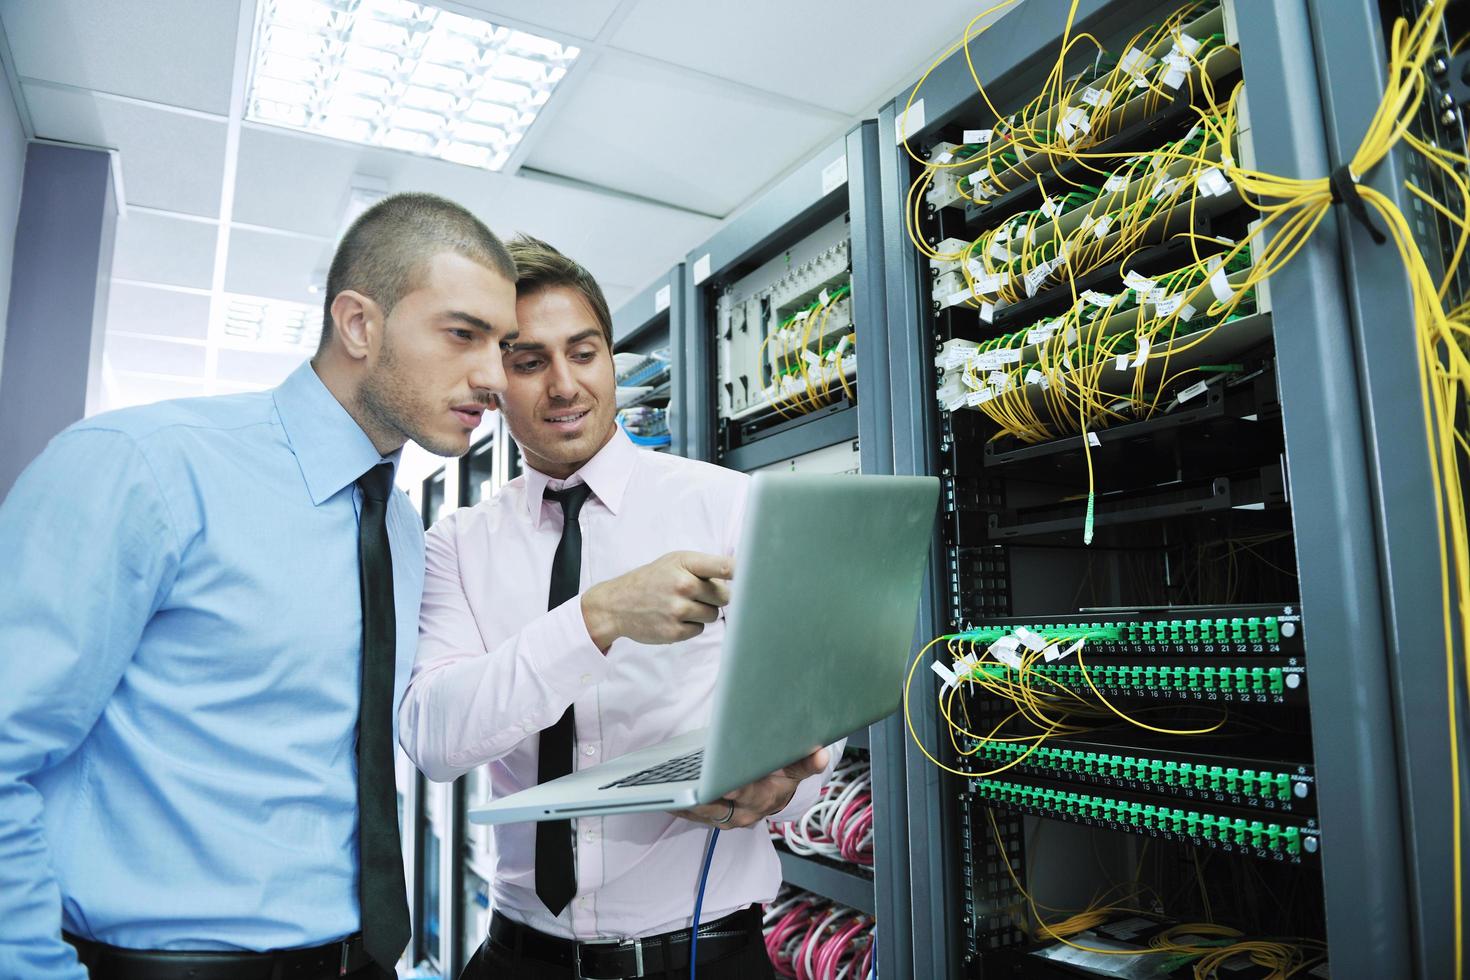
[(380, 889), (556, 871)]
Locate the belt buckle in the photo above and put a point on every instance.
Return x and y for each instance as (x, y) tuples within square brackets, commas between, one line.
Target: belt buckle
[(636, 944), (637, 954)]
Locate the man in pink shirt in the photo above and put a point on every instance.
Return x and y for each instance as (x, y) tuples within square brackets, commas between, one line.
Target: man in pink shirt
[(637, 548)]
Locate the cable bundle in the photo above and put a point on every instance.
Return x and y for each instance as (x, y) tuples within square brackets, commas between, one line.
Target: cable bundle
[(811, 938), (840, 824), (804, 380)]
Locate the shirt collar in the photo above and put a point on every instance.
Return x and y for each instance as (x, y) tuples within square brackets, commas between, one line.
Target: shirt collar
[(330, 447), (606, 473)]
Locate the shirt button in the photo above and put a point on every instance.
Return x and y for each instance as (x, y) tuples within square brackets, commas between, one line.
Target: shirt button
[(526, 726), (585, 901), (589, 836), (589, 749), (586, 680)]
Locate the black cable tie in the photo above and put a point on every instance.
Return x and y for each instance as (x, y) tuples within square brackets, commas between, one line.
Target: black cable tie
[(1344, 185)]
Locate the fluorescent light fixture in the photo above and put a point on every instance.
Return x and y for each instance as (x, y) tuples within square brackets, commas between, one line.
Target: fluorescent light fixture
[(258, 323), (402, 75)]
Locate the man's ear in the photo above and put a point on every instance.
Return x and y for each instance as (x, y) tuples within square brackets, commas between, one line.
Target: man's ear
[(358, 322)]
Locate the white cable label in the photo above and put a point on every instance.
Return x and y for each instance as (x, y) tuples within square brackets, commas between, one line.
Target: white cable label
[(1138, 283), (981, 136), (1095, 298), (1114, 184), (1134, 62), (1029, 639), (1143, 349), (950, 678), (1093, 440), (1194, 390), (987, 312), (1220, 286), (1121, 362), (1034, 376)]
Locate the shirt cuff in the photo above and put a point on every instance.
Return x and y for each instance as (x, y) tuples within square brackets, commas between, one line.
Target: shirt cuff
[(573, 662)]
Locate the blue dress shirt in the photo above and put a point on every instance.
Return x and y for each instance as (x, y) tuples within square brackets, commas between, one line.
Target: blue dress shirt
[(180, 648)]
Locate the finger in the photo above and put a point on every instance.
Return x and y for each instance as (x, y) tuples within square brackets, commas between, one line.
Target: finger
[(698, 612), (706, 565), (679, 632), (714, 592)]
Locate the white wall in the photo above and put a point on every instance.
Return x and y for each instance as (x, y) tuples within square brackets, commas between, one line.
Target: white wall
[(12, 172)]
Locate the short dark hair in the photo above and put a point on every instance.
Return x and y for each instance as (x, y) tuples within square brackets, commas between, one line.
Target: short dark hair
[(539, 266), (383, 254)]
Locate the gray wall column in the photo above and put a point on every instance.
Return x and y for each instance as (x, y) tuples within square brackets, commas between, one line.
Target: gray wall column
[(58, 299)]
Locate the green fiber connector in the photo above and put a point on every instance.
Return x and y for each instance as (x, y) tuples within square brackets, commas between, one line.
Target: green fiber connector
[(1191, 631), (1293, 841), (1282, 786), (1273, 630)]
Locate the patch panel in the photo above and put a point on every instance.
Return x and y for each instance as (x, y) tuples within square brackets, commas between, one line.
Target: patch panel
[(1283, 787), (1272, 684), (785, 321), (1231, 631), (1289, 840)]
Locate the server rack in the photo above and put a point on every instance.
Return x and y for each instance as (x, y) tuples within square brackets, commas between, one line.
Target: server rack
[(1360, 494), (846, 435), (467, 858), (643, 326)]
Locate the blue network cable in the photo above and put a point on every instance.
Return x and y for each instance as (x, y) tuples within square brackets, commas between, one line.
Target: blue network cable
[(709, 852)]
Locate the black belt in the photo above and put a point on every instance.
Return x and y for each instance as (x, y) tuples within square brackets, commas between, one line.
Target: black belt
[(105, 962), (647, 956)]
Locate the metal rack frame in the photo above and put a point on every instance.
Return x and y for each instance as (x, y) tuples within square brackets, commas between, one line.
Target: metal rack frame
[(1361, 498), (803, 201)]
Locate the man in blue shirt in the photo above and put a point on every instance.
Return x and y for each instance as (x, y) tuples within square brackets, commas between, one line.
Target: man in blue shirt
[(209, 614)]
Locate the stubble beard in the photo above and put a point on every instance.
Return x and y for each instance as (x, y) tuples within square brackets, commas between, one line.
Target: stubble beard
[(390, 401)]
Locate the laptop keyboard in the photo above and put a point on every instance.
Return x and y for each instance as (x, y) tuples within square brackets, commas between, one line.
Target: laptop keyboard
[(676, 770)]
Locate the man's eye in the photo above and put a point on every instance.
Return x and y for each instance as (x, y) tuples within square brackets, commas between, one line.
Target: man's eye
[(526, 366), (462, 334)]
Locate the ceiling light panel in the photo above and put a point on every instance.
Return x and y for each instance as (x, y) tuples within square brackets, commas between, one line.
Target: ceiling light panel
[(257, 323), (402, 75)]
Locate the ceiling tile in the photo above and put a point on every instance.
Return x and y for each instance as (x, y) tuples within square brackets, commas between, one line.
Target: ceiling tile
[(620, 240), (178, 52), (639, 127), (578, 18), (157, 248), (169, 160), (803, 51), (153, 356), (274, 266), (157, 312)]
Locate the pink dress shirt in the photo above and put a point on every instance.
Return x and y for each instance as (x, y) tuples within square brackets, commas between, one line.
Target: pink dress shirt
[(494, 668)]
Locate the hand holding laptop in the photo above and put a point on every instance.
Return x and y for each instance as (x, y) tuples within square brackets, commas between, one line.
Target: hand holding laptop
[(753, 802), (668, 600)]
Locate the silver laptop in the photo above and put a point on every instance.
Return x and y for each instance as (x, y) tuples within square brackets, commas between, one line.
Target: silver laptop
[(825, 600)]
